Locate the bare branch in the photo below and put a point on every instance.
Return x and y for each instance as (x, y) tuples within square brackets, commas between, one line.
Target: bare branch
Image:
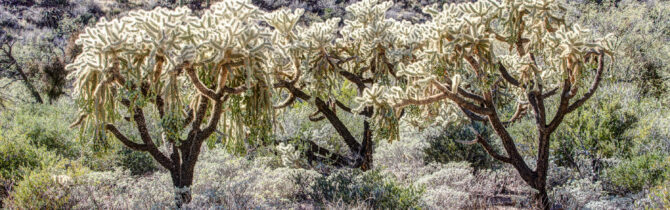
[(342, 106), (489, 149), (354, 79), (466, 93), (80, 119), (123, 139), (473, 116), (236, 90), (562, 106), (421, 101), (461, 101), (214, 118), (138, 117), (550, 93), (336, 159)]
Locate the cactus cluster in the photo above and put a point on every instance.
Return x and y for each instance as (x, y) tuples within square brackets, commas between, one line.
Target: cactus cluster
[(468, 59), (404, 60)]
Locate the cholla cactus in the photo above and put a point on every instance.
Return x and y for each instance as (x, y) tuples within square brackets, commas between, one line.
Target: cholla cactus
[(476, 57), (468, 60), (317, 62), (185, 68), (289, 156)]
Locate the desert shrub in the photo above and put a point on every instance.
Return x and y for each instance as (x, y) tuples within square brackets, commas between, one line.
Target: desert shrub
[(47, 188), (40, 191), (637, 173), (42, 126), (118, 189), (443, 147), (458, 185), (449, 186), (652, 133), (52, 3), (404, 158), (598, 130), (222, 181), (138, 163), (18, 158), (577, 193), (351, 186)]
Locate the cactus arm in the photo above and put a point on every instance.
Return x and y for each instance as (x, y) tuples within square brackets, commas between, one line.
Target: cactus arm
[(190, 71), (123, 139), (461, 101), (507, 76), (594, 85), (138, 117)]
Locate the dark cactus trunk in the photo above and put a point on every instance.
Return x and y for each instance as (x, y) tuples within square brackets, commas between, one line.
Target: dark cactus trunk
[(541, 170), (182, 181), (366, 149), (542, 199), (184, 159)]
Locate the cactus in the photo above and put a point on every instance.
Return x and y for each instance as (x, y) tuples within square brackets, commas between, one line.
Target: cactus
[(478, 57), (186, 68), (460, 66)]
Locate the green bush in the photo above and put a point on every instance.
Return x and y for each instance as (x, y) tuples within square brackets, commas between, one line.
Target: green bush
[(351, 186), (443, 148), (42, 126), (39, 191), (18, 157), (598, 129), (138, 163), (636, 174), (47, 188)]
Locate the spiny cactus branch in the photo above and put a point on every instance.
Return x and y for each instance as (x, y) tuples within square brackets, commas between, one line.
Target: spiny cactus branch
[(198, 84), (507, 76), (139, 119), (594, 85), (455, 97), (289, 101)]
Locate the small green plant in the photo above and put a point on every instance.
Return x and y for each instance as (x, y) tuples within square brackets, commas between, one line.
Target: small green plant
[(636, 174), (352, 185)]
